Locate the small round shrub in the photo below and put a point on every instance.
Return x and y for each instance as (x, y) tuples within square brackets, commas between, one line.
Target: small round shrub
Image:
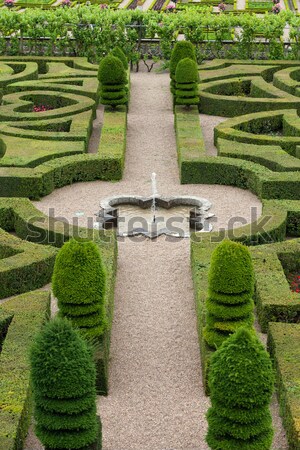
[(229, 304), (241, 383), (63, 380), (186, 79), (78, 282), (118, 53), (231, 269), (113, 81), (181, 50)]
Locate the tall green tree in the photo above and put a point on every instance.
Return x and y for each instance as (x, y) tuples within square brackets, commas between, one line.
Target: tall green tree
[(181, 50), (113, 81), (187, 78), (241, 382), (63, 380), (231, 286), (78, 282)]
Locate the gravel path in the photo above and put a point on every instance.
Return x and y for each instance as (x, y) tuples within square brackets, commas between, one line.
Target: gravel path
[(156, 400)]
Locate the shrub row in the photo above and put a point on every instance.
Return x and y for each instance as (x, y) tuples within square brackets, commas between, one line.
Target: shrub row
[(29, 312), (274, 299), (113, 142), (73, 88), (279, 128), (198, 169), (20, 216), (43, 179), (284, 346), (25, 266)]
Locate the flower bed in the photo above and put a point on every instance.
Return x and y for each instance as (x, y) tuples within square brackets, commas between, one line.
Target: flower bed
[(294, 281)]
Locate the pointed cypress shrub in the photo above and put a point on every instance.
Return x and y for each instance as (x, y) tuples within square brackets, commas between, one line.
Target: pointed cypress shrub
[(78, 282), (118, 53), (186, 77), (63, 381), (113, 81), (181, 50), (231, 285), (241, 384)]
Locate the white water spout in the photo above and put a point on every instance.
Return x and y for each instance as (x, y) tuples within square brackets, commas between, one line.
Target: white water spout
[(154, 194)]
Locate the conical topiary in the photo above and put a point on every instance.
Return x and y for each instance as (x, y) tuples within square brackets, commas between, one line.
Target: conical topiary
[(118, 53), (186, 77), (63, 381), (231, 285), (241, 383), (78, 282), (113, 81), (181, 50)]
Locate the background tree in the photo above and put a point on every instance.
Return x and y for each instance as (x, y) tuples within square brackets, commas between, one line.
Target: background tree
[(118, 53)]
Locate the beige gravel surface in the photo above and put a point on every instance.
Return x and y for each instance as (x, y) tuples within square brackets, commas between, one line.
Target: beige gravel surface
[(156, 400)]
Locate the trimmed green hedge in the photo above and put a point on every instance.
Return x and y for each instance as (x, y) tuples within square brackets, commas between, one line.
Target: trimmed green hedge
[(196, 168), (112, 145), (284, 346), (107, 165), (29, 312), (274, 299), (279, 128), (51, 138), (29, 266), (231, 88), (21, 216)]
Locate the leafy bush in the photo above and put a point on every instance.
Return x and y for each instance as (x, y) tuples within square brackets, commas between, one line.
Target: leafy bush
[(79, 284), (113, 81), (231, 285), (241, 382), (181, 50), (63, 379), (186, 78), (118, 53)]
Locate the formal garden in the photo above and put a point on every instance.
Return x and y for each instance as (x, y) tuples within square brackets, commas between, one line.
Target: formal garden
[(118, 333)]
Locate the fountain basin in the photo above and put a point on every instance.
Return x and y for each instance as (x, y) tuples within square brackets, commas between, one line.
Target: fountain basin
[(191, 209)]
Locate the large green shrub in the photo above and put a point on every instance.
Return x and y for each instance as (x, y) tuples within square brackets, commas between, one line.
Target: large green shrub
[(241, 383), (78, 282), (186, 78), (118, 53), (63, 379), (181, 50), (231, 284), (113, 81)]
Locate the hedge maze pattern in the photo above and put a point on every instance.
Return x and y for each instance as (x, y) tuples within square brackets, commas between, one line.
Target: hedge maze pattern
[(39, 151), (258, 149), (43, 150)]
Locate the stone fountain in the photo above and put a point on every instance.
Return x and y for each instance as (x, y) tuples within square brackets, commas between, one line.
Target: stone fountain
[(197, 214)]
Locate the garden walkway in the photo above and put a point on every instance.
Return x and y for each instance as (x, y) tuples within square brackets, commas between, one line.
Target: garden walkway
[(156, 400)]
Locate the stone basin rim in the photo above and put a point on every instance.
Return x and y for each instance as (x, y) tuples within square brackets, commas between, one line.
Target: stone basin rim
[(164, 202)]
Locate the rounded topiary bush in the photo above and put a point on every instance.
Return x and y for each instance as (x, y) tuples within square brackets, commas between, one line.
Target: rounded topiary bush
[(231, 285), (181, 50), (118, 53), (186, 78), (241, 382), (63, 380), (78, 282), (113, 81)]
